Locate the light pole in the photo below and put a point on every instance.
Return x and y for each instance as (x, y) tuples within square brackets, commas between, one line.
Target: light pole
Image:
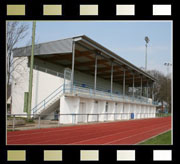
[(147, 41), (167, 65), (31, 71)]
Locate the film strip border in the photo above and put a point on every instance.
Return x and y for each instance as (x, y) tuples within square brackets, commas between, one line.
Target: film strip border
[(119, 10), (87, 10), (95, 9), (88, 155)]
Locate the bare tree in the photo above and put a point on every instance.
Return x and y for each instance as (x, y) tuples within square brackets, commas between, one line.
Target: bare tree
[(162, 88), (16, 32)]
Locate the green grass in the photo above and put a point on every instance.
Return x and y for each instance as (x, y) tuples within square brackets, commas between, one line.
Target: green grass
[(22, 118), (162, 139), (11, 130), (163, 114)]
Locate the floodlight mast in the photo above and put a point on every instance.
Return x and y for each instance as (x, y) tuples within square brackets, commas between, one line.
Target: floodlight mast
[(147, 41), (167, 65)]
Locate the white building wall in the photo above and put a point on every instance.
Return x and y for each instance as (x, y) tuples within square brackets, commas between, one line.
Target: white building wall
[(129, 111), (124, 115), (43, 85), (134, 109), (154, 111), (101, 109), (143, 111), (119, 110), (72, 105), (138, 108), (126, 111), (111, 110), (69, 105), (95, 110), (138, 111), (90, 109), (115, 110), (151, 110), (146, 111), (19, 84)]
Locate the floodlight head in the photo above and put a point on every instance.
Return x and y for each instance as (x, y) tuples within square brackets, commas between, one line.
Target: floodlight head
[(146, 39)]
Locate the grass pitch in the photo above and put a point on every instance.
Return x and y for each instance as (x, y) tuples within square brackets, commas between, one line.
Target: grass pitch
[(162, 139)]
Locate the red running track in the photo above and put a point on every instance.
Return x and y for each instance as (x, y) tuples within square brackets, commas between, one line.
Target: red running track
[(109, 133)]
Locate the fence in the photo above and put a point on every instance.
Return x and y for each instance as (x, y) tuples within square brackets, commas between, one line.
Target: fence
[(20, 122)]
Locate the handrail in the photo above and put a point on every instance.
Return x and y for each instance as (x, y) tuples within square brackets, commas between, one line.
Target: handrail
[(107, 113), (87, 90), (45, 101), (73, 118), (56, 73), (91, 92), (81, 84)]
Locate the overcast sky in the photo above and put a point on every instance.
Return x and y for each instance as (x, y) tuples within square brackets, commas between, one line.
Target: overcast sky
[(122, 37)]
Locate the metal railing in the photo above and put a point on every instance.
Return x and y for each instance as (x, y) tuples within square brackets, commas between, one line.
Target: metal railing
[(50, 71), (95, 93), (44, 103), (66, 88), (101, 91), (20, 121)]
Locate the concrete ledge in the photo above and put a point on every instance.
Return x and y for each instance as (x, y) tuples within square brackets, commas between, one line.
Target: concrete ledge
[(17, 122)]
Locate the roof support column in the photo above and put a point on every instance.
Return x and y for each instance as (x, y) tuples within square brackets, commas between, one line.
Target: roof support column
[(141, 88), (147, 90), (153, 91), (124, 83), (111, 78), (124, 89), (133, 85), (73, 61), (95, 74)]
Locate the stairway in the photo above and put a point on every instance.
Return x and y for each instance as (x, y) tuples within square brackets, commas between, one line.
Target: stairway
[(49, 103)]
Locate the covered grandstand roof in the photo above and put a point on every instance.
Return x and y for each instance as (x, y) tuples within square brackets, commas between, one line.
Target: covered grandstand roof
[(60, 52)]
